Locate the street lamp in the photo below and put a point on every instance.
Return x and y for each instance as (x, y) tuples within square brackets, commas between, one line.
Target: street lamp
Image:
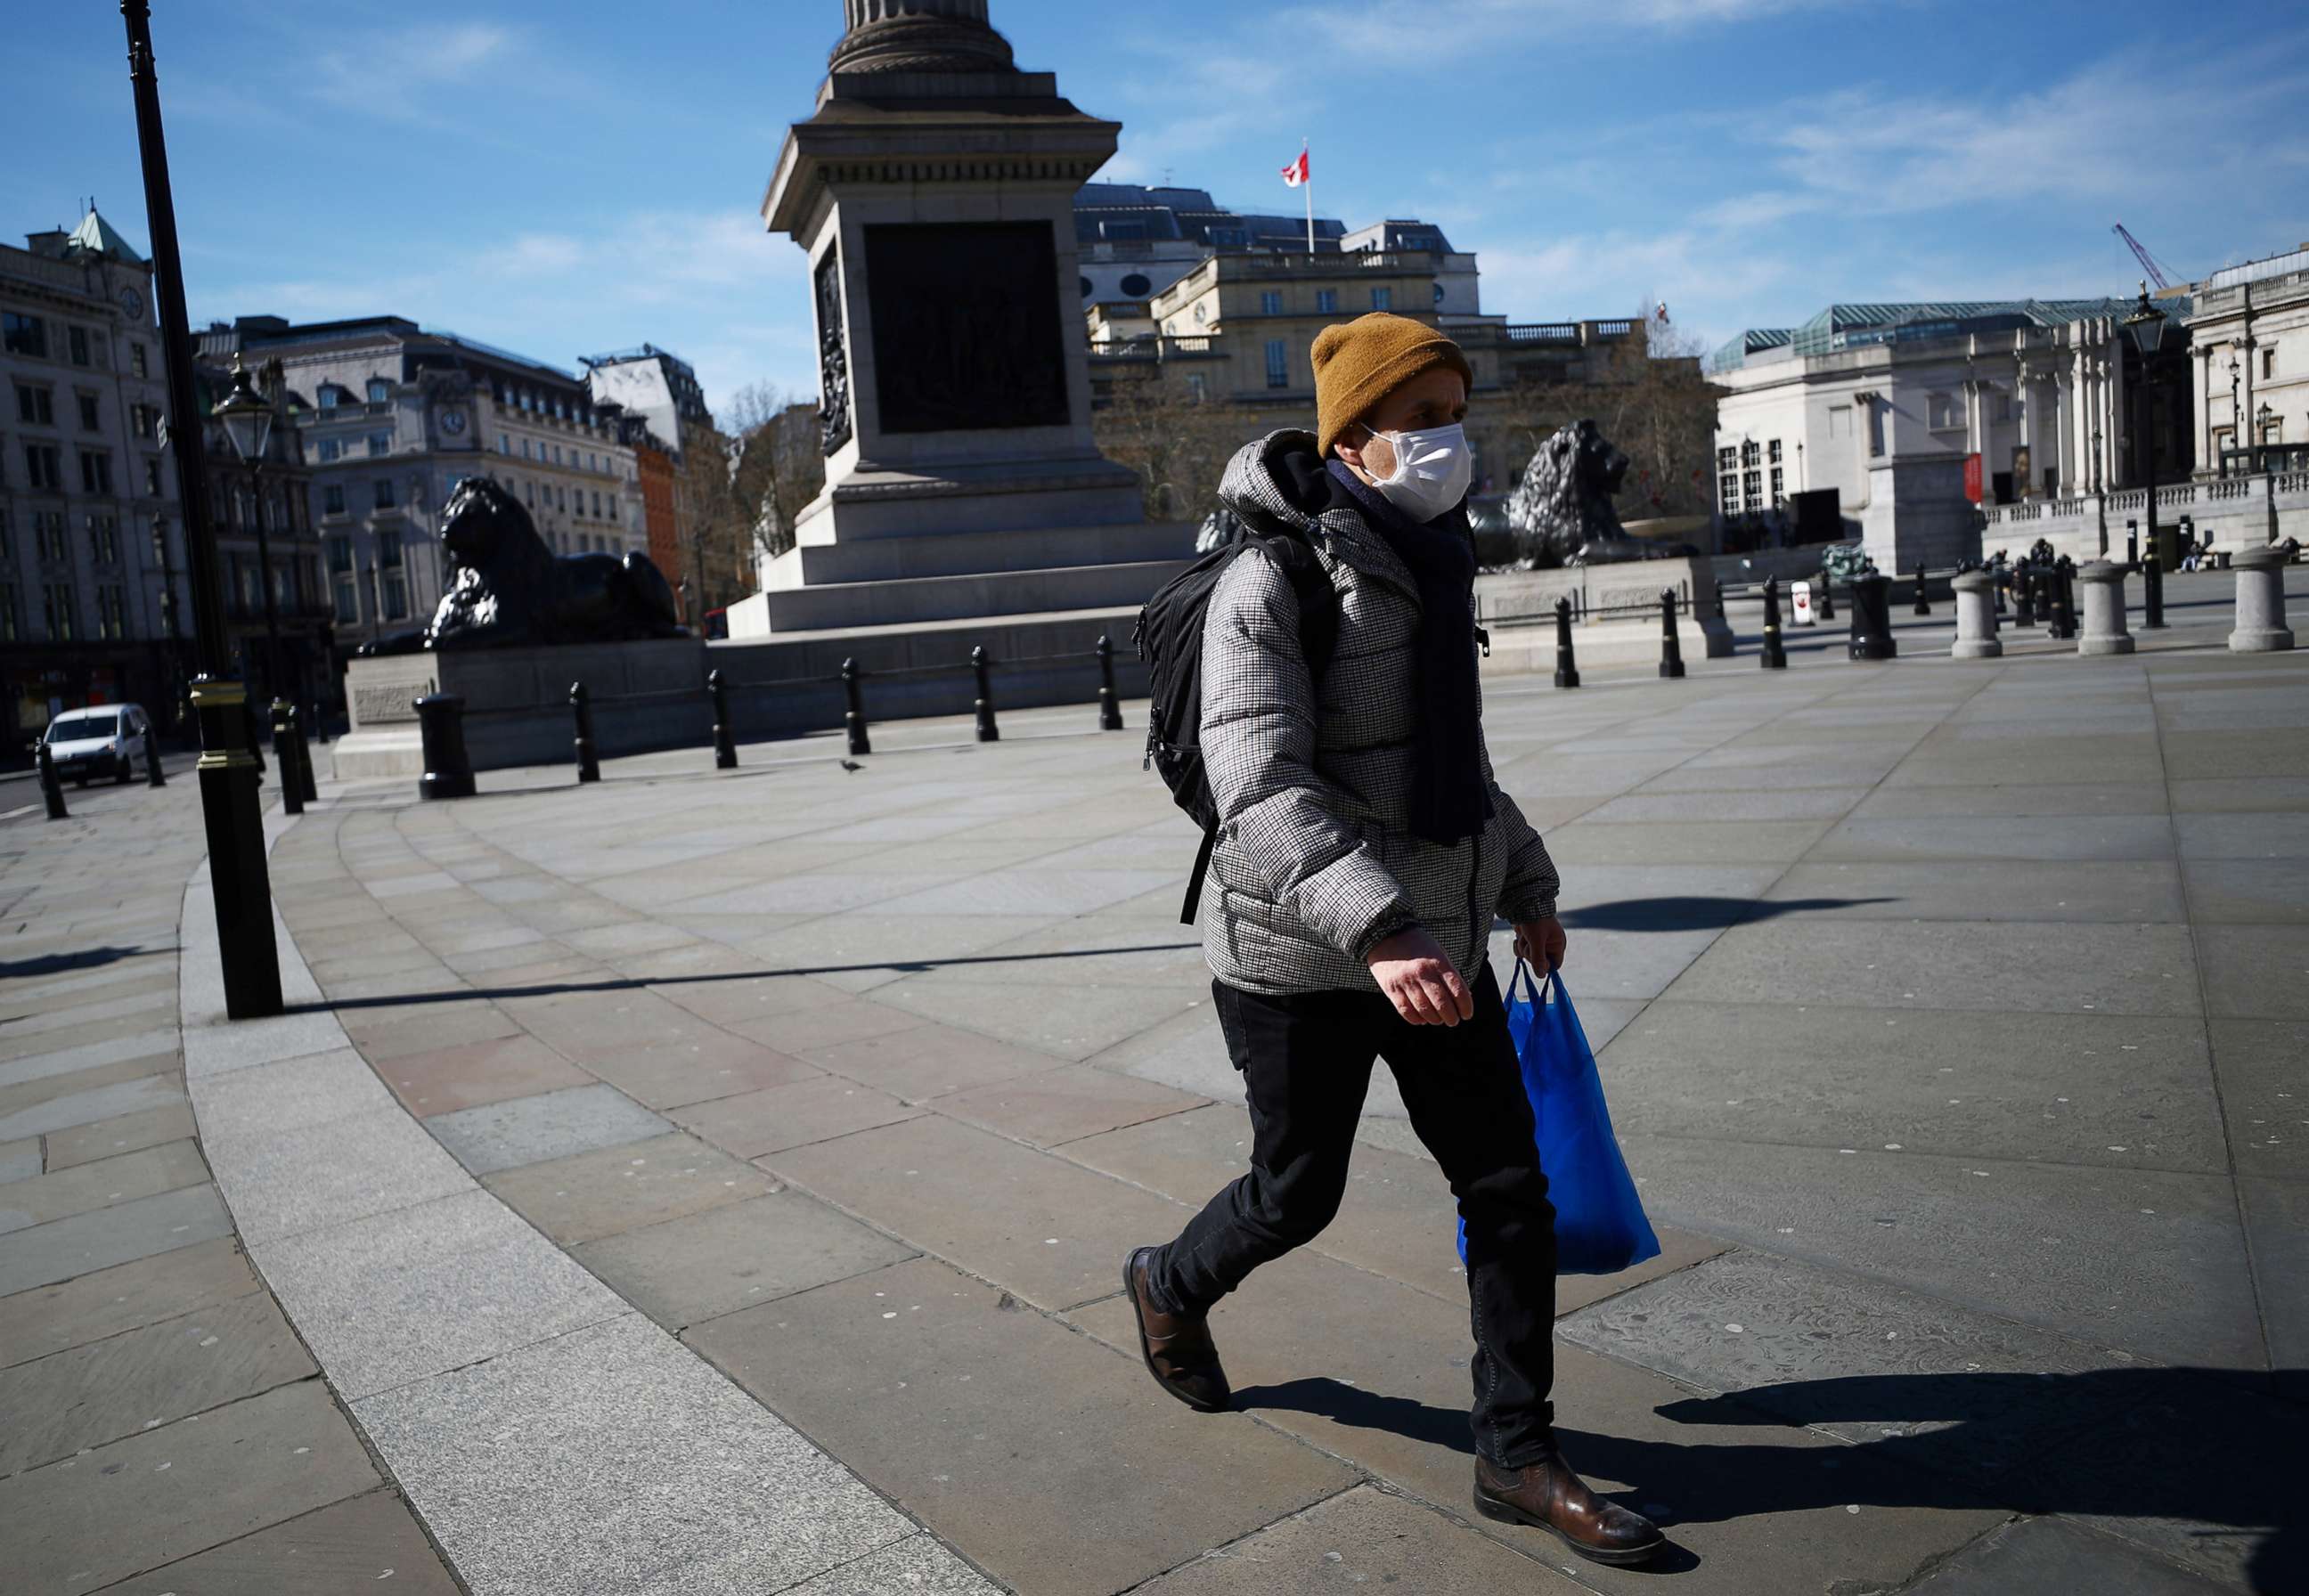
[(2146, 327), (240, 883), (248, 418)]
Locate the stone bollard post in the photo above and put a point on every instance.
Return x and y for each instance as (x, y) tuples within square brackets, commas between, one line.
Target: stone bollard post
[(2105, 632), (2152, 595), (284, 753), (52, 788), (581, 708), (1775, 656), (1109, 707), (1567, 664), (1871, 618), (988, 731), (725, 749), (2062, 578), (2261, 627), (2042, 580), (1923, 604), (152, 776), (853, 713), (441, 724), (305, 778), (1976, 617), (1671, 666)]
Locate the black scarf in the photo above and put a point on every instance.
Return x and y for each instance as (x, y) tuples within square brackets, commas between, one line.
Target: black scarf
[(1449, 799)]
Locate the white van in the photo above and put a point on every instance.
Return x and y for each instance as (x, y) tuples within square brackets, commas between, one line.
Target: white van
[(105, 740)]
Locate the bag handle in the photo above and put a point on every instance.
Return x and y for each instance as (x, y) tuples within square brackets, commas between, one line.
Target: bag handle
[(1535, 985)]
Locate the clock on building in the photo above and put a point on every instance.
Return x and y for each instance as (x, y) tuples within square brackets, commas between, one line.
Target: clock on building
[(133, 303), (453, 422)]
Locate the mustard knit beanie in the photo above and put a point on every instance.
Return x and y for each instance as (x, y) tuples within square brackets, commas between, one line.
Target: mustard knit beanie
[(1361, 362)]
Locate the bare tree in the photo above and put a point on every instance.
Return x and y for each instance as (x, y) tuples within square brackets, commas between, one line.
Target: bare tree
[(1155, 424), (742, 484)]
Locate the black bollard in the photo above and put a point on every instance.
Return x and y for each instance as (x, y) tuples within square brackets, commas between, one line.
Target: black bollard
[(1923, 604), (725, 751), (320, 725), (1826, 609), (2152, 587), (1871, 618), (1671, 666), (854, 717), (1109, 707), (52, 789), (2132, 543), (2024, 603), (284, 753), (1775, 656), (581, 707), (2064, 600), (2041, 580), (988, 732), (152, 776), (249, 726), (1567, 667), (305, 777), (441, 724)]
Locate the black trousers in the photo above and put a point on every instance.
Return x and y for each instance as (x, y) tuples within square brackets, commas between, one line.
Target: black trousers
[(1306, 1060)]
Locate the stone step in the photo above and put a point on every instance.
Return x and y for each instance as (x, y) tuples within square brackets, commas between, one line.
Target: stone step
[(965, 554), (950, 598)]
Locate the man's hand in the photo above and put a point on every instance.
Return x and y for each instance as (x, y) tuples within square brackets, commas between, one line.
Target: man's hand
[(1417, 978), (1540, 944)]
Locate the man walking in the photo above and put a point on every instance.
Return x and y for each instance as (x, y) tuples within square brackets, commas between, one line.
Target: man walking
[(1362, 850)]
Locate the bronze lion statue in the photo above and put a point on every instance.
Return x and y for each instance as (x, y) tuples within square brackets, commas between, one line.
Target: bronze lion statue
[(1562, 512), (509, 591)]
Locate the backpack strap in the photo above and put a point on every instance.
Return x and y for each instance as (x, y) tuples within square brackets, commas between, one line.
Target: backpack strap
[(1195, 876)]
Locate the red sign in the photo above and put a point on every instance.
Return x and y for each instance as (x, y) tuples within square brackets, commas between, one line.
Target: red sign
[(1972, 478)]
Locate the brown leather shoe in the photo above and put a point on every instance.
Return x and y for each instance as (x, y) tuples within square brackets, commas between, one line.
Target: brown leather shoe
[(1176, 1347), (1550, 1496)]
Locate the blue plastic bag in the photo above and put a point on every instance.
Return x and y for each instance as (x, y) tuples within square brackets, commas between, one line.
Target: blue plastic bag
[(1600, 1228)]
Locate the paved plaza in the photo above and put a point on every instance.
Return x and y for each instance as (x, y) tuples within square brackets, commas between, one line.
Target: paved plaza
[(703, 1183)]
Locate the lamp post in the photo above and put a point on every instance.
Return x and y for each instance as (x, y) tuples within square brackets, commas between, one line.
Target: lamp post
[(248, 418), (2262, 419), (2237, 415), (242, 886), (2146, 327)]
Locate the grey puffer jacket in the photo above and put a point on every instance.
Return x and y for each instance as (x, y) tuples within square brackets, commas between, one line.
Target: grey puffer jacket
[(1315, 861)]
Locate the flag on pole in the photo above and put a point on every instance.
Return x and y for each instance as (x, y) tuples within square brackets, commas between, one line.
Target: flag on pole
[(1296, 173), (1661, 312)]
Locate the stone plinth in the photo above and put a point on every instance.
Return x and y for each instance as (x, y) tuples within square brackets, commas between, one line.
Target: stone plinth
[(2105, 632), (2261, 627), (1976, 617)]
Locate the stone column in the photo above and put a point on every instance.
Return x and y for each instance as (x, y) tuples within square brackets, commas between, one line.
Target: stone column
[(2104, 631), (2261, 627), (2023, 379), (1976, 617)]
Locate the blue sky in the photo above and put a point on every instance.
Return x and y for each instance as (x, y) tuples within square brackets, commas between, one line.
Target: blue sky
[(578, 176)]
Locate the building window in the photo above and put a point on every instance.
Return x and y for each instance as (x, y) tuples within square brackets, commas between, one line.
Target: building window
[(153, 479), (1779, 486), (76, 339), (8, 622), (104, 540), (348, 601), (380, 443), (330, 449), (556, 454), (396, 596), (21, 335), (1940, 412), (91, 415), (333, 499), (95, 471), (505, 444), (136, 358), (111, 612), (48, 535), (57, 610), (1326, 301), (2003, 409), (1278, 364), (379, 391), (524, 448), (1751, 484), (34, 406), (7, 538), (43, 467), (388, 550), (1270, 302), (385, 493), (1382, 298), (144, 420), (1839, 421), (597, 503), (1772, 452)]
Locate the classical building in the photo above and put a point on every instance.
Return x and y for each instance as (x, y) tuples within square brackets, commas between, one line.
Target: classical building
[(397, 416), (1134, 242), (1911, 415), (94, 598), (2249, 335), (665, 419)]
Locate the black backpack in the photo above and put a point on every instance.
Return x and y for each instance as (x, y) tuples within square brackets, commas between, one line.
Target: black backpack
[(1169, 639)]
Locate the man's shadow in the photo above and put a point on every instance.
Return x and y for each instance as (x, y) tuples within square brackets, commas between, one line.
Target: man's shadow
[(2206, 1446)]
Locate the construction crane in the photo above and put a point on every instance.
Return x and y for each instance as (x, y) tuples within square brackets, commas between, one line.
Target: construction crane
[(2140, 253)]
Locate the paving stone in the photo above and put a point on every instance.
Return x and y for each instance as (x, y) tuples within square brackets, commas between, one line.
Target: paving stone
[(447, 1079), (2122, 968), (88, 1055), (2268, 891), (805, 1032), (106, 1302), (528, 1130), (2276, 1229), (389, 1031), (916, 1565), (1065, 1105), (104, 1236), (286, 1182), (656, 1463), (592, 1194), (59, 1101), (689, 1270), (2129, 891), (1032, 892), (347, 1545), (1069, 1021), (127, 1133), (1999, 799), (1361, 1537), (34, 1036), (1684, 842), (1050, 1230), (160, 1495), (2112, 1090), (101, 1185), (929, 1061), (218, 1047), (754, 1123), (995, 1426), (2255, 971), (737, 999), (1377, 1373), (2050, 1554), (87, 1395), (397, 1296), (1787, 802), (2263, 1068), (20, 1160), (693, 1065)]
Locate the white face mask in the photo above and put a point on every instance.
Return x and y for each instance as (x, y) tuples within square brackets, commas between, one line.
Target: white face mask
[(1433, 468)]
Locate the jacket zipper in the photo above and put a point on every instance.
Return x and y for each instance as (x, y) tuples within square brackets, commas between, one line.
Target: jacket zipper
[(1480, 949)]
